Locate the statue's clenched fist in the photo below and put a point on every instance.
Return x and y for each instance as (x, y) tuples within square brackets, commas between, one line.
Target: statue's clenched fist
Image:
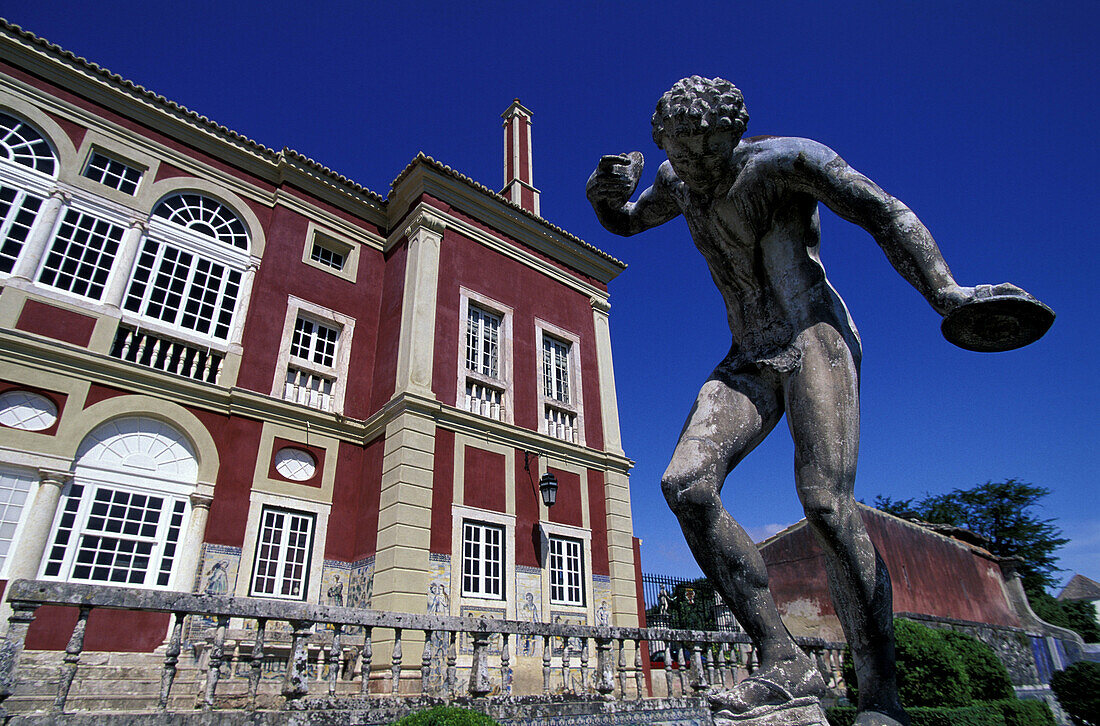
[(615, 179)]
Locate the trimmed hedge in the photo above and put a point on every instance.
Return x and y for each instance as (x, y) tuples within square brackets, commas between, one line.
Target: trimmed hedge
[(1025, 713), (1078, 690), (446, 716), (985, 714), (986, 675)]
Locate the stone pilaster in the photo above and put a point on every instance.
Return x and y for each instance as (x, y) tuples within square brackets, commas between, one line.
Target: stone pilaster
[(609, 404), (124, 263), (35, 246), (416, 347), (620, 547), (194, 536)]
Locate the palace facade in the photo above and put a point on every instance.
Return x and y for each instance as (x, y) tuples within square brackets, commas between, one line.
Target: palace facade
[(231, 370)]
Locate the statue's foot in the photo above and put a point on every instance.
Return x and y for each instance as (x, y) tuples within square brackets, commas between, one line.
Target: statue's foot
[(787, 685), (875, 718)]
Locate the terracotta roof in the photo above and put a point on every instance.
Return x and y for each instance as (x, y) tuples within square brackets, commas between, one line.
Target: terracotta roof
[(422, 158), (232, 136), (1080, 588)]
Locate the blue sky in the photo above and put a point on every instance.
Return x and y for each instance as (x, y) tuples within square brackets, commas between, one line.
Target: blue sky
[(981, 116)]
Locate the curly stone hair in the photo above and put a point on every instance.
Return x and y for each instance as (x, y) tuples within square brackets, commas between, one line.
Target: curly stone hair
[(698, 105)]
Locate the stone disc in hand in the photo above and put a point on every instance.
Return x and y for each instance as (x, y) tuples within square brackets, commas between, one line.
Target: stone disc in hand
[(997, 323)]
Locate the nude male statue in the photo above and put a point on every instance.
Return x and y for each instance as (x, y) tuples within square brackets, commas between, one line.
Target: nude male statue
[(751, 207)]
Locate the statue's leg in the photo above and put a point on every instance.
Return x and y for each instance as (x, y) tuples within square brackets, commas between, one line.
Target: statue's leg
[(822, 401), (731, 416)]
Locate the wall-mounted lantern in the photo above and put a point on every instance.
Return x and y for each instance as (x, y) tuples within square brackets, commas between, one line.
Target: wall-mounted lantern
[(548, 483)]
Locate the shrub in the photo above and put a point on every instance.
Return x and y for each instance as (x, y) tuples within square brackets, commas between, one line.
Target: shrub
[(1025, 713), (986, 674), (930, 672), (446, 716), (985, 714), (1078, 690)]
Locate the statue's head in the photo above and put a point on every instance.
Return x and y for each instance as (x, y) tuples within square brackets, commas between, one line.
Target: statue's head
[(699, 122), (698, 106)]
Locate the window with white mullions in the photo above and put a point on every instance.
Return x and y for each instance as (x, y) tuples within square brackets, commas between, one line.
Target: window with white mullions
[(314, 342), (23, 144), (482, 560), (14, 486), (483, 342), (282, 554), (112, 173), (566, 571), (326, 256), (555, 369), (18, 210), (183, 289), (204, 216), (81, 254)]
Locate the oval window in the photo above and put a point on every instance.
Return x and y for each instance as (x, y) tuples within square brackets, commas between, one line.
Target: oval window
[(27, 411), (295, 464)]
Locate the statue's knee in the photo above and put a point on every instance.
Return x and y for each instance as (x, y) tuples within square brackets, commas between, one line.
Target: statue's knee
[(823, 511), (688, 491)]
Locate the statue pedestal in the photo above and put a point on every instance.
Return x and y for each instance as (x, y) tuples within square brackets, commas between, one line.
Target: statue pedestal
[(793, 715)]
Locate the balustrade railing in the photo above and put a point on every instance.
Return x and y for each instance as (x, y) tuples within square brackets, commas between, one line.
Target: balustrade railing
[(166, 354), (333, 645)]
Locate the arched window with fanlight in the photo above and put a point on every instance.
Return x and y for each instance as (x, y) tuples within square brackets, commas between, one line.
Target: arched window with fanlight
[(189, 269), (122, 516), (28, 169)]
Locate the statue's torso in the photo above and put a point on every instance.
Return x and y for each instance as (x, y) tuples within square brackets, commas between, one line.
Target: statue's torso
[(760, 240)]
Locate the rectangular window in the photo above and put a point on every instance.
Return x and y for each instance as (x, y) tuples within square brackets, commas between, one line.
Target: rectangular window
[(81, 255), (183, 289), (482, 560), (566, 571), (282, 554), (327, 256), (555, 369), (112, 173), (14, 485), (116, 536), (483, 342), (18, 210), (314, 342)]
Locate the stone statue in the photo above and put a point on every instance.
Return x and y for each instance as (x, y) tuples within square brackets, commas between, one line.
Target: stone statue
[(751, 207)]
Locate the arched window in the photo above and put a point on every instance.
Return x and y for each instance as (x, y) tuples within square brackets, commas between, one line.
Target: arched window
[(189, 270), (28, 166), (121, 518)]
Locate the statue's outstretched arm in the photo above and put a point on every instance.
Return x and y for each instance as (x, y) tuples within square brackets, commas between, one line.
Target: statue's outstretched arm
[(906, 241), (609, 189)]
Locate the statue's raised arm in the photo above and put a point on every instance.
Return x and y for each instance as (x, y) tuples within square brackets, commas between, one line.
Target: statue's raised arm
[(609, 190)]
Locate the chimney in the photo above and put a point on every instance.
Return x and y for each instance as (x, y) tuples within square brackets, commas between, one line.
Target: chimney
[(518, 184)]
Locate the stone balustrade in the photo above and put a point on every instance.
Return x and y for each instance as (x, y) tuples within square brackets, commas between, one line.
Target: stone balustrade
[(236, 638)]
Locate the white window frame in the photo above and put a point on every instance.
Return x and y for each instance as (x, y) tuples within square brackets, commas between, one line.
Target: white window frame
[(20, 516), (552, 530), (325, 238), (337, 372), (112, 169), (478, 560), (563, 553), (267, 514), (175, 515), (575, 406), (502, 384), (258, 500), (507, 524), (26, 181), (85, 210)]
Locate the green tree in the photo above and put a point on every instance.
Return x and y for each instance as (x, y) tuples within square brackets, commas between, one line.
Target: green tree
[(1078, 616), (1004, 513)]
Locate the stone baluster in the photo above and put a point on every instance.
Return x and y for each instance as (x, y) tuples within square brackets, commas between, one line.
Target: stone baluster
[(334, 657), (681, 656), (639, 673), (296, 679), (565, 665), (171, 659), (479, 666), (668, 669), (724, 667), (234, 660), (710, 650), (321, 665), (546, 664), (699, 682), (426, 663), (255, 673), (584, 665), (505, 666), (364, 668), (622, 667), (395, 662), (22, 615), (452, 663), (214, 665), (605, 669), (67, 670)]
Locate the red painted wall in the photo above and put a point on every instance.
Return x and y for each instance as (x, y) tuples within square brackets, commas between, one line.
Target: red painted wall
[(930, 574), (353, 521), (527, 513), (443, 484), (389, 326), (75, 133), (466, 263), (108, 630), (483, 483), (597, 516), (57, 323), (238, 442), (367, 529), (568, 507)]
